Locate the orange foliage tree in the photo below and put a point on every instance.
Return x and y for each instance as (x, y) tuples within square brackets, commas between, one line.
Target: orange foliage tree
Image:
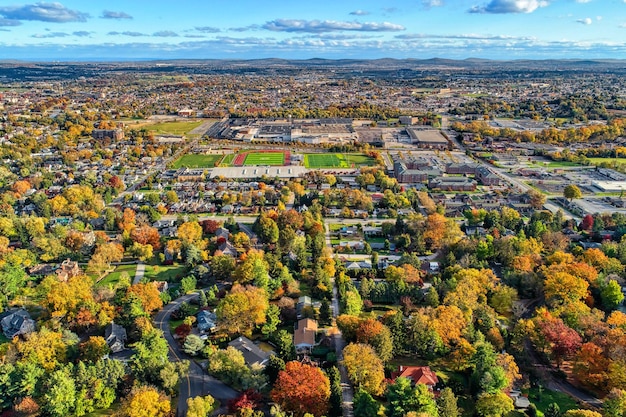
[(302, 389)]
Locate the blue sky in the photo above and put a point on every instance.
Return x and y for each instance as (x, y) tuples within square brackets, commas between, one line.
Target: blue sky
[(242, 29)]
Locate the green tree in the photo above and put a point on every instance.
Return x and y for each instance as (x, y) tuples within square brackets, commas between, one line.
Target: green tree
[(273, 367), (272, 320), (336, 394), (193, 345), (403, 398), (60, 394), (447, 404), (611, 294), (553, 410), (365, 405), (188, 284), (284, 345), (150, 357), (12, 279)]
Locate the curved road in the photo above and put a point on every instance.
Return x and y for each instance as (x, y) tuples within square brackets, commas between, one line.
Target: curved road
[(196, 382)]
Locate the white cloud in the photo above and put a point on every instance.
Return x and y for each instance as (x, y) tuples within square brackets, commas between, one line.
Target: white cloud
[(509, 6), (585, 21), (321, 26), (359, 13), (44, 12), (432, 3)]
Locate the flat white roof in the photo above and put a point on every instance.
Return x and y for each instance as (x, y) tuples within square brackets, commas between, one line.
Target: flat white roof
[(610, 185), (245, 172)]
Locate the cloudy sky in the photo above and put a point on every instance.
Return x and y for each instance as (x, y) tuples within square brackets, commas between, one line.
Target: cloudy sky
[(149, 29)]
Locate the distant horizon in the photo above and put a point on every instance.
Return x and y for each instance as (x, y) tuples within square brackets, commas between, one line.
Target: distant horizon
[(74, 30), (112, 60)]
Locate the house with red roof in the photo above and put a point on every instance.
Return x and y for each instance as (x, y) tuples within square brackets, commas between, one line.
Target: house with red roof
[(417, 375)]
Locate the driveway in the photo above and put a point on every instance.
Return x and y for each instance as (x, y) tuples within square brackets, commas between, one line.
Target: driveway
[(196, 382)]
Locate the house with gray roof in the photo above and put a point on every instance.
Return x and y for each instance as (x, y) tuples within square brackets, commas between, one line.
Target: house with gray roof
[(252, 354), (16, 322)]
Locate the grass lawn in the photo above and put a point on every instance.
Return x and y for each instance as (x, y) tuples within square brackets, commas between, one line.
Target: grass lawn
[(557, 164), (611, 160), (167, 273), (113, 278), (265, 158), (175, 323), (196, 161), (175, 128), (337, 160), (548, 397)]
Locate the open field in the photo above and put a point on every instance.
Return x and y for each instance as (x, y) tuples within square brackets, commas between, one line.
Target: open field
[(595, 161), (337, 160), (114, 277), (167, 273), (174, 128), (196, 161), (265, 158)]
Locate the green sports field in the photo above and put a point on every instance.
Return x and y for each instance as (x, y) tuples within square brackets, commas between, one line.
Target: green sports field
[(265, 158), (337, 160), (196, 161)]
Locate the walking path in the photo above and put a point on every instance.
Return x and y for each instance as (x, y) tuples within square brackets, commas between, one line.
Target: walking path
[(141, 269)]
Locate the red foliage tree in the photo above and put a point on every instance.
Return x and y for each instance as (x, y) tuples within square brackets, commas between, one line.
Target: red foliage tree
[(587, 223), (183, 331), (249, 399), (564, 340), (302, 389), (209, 226)]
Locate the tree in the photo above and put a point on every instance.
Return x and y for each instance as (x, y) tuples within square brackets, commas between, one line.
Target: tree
[(563, 340), (145, 402), (60, 394), (150, 357), (494, 405), (243, 309), (146, 235), (190, 233), (561, 288), (148, 294), (447, 404), (364, 405), (571, 192), (377, 335), (94, 349), (302, 389), (12, 279), (553, 410), (581, 413), (193, 345), (273, 367), (336, 393), (364, 367), (611, 294), (615, 403), (403, 398), (200, 406), (188, 284)]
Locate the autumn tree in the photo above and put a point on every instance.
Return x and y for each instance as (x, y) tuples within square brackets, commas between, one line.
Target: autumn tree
[(301, 389), (242, 309), (377, 335), (146, 235), (563, 341), (571, 192), (561, 288), (200, 406), (494, 405), (364, 367), (145, 402), (148, 294)]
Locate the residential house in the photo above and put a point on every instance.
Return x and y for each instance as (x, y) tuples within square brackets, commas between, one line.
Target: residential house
[(206, 321), (304, 335), (67, 270), (115, 336), (252, 354), (303, 302), (417, 375), (16, 322)]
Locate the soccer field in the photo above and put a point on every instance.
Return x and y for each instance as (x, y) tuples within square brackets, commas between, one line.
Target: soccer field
[(337, 160), (265, 158)]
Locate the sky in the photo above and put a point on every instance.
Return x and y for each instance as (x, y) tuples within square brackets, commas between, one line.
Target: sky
[(90, 30)]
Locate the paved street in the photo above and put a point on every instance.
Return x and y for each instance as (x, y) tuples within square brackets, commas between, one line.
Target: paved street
[(196, 382)]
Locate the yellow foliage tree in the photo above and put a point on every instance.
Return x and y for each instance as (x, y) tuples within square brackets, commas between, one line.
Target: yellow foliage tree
[(145, 402)]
